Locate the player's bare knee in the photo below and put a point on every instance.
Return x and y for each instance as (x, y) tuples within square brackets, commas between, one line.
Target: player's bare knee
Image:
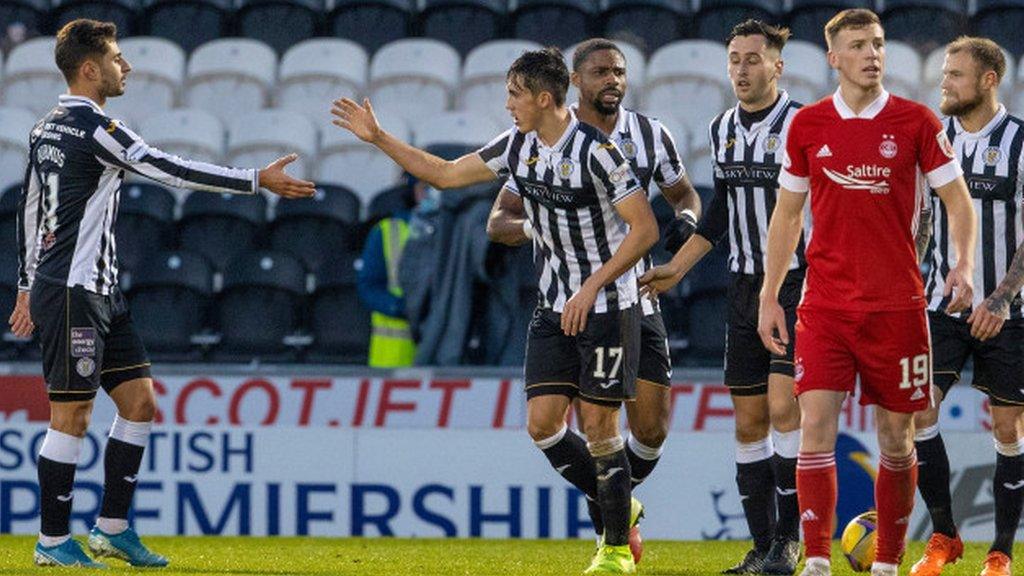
[(751, 426), (651, 434), (895, 440), (541, 429), (1005, 430), (71, 418), (599, 422), (926, 418), (142, 409), (784, 414)]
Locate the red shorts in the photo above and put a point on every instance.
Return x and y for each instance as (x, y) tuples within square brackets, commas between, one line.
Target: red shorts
[(890, 350)]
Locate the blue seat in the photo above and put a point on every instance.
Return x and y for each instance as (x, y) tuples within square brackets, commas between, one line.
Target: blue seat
[(338, 321), (31, 13), (553, 22), (926, 24), (664, 214), (318, 228), (372, 23), (463, 24), (716, 18), (124, 13), (807, 18), (259, 305), (8, 296), (707, 321), (280, 23), (647, 24), (221, 226), (1001, 21), (9, 219), (387, 202), (188, 22), (145, 223), (170, 295), (458, 197)]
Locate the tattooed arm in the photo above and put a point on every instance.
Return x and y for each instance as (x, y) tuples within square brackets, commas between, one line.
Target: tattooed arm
[(924, 232), (987, 320)]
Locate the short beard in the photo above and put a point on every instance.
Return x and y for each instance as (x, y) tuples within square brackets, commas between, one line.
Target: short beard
[(962, 108), (605, 109), (112, 89)]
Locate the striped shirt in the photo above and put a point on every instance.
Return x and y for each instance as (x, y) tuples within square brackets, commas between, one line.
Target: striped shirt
[(72, 185), (746, 168), (993, 164), (569, 192)]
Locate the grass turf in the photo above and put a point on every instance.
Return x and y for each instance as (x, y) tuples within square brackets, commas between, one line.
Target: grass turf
[(400, 557)]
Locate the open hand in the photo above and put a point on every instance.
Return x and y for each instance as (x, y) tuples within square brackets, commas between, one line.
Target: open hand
[(274, 178), (360, 120)]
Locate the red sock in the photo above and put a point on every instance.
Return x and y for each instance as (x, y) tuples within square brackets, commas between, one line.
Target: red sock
[(816, 491), (894, 500)]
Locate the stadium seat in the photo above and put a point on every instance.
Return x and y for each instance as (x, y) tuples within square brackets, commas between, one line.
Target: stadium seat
[(189, 23), (1001, 21), (664, 214), (31, 78), (279, 23), (259, 305), (9, 219), (680, 133), (30, 13), (371, 23), (807, 18), (716, 18), (806, 73), (903, 72), (1017, 104), (345, 159), (9, 350), (170, 295), (700, 169), (317, 71), (339, 323), (387, 202), (466, 128), (231, 77), (221, 226), (145, 223), (123, 13), (264, 136), (553, 22), (158, 70), (414, 77), (483, 86), (319, 228), (680, 72), (187, 132), (458, 198), (15, 126), (647, 24), (925, 24), (705, 288), (463, 24), (636, 73)]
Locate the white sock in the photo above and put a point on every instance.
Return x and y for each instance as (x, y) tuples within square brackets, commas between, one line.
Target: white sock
[(51, 541), (112, 526)]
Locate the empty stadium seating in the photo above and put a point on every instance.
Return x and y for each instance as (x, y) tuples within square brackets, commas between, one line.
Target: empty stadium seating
[(338, 322), (483, 86), (279, 23), (31, 79), (319, 228), (314, 72), (145, 223), (221, 226), (926, 24), (231, 77), (15, 125), (8, 219), (648, 24), (414, 77), (189, 23), (679, 72), (371, 23), (553, 22), (464, 24), (158, 69)]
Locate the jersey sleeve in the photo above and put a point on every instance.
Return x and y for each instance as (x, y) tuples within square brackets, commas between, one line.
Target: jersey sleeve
[(117, 146), (935, 157), (28, 228), (495, 153), (511, 186), (611, 171), (669, 166), (795, 174)]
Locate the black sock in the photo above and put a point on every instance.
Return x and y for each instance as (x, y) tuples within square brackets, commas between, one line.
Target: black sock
[(570, 458), (757, 491), (933, 483), (788, 524), (642, 460), (594, 509), (1008, 499), (121, 462), (56, 482), (614, 495)]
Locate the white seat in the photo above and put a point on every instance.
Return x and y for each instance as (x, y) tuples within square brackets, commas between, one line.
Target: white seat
[(317, 71), (187, 132), (636, 73), (902, 69), (230, 77), (483, 76), (158, 71), (689, 78), (15, 126), (264, 136), (415, 76), (700, 171), (345, 159), (31, 77), (469, 128), (806, 71)]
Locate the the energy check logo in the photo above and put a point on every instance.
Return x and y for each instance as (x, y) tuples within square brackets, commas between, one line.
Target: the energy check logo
[(863, 177)]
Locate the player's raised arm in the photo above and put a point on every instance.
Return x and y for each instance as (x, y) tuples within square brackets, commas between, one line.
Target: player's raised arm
[(507, 222), (963, 230), (436, 171), (783, 236)]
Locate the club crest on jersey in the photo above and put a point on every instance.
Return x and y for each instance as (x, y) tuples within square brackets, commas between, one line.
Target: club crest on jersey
[(566, 167), (888, 148), (85, 367), (944, 144), (628, 148), (992, 155), (771, 143)]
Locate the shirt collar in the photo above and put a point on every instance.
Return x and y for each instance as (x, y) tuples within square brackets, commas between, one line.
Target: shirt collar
[(780, 105), (986, 130), (868, 113), (67, 100), (569, 131)]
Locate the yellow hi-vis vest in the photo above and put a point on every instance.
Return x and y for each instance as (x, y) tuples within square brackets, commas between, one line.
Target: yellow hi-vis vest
[(391, 343)]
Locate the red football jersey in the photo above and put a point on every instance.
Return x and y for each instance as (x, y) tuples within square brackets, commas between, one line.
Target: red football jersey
[(866, 174)]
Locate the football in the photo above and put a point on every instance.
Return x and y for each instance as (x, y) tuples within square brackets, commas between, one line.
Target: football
[(858, 541)]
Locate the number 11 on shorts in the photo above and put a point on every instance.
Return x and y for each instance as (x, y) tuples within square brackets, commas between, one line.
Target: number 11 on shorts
[(918, 367)]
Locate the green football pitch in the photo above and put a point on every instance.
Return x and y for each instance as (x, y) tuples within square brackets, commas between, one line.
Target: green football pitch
[(400, 557)]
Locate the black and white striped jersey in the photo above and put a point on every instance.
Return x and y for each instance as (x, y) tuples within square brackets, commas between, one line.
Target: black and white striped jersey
[(746, 170), (569, 191), (69, 200), (992, 162)]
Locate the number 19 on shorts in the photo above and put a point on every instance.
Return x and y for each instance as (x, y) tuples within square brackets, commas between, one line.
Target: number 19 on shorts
[(916, 371)]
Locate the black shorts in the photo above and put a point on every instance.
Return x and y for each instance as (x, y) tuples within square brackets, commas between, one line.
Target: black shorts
[(998, 362), (655, 363), (747, 362), (87, 339), (599, 365)]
